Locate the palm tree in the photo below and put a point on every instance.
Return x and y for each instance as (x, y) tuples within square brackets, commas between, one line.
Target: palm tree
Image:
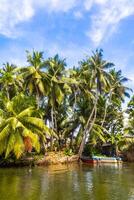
[(118, 85), (117, 90), (55, 71), (99, 82), (99, 71), (21, 126), (81, 105), (130, 111), (10, 80), (34, 75)]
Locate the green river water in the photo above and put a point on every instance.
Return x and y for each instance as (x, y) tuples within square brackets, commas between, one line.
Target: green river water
[(73, 182)]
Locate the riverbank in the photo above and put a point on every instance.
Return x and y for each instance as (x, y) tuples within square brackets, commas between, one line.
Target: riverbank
[(51, 158)]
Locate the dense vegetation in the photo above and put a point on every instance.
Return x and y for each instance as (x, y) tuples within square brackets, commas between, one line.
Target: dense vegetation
[(47, 106)]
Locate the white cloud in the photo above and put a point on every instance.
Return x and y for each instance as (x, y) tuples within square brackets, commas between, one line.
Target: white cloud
[(78, 14), (89, 3), (104, 21), (59, 5), (107, 18), (14, 12)]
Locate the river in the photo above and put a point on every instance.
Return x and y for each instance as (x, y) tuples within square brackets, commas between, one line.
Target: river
[(72, 182)]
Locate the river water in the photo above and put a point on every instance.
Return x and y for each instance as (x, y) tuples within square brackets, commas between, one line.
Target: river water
[(72, 182)]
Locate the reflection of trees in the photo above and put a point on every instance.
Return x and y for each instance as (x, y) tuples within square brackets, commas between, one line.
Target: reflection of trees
[(111, 183), (84, 183)]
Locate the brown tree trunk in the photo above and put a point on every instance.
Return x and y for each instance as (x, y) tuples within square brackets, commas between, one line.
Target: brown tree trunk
[(52, 126), (105, 111), (88, 127)]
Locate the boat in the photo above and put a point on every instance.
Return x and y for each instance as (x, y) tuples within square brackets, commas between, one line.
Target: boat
[(99, 160)]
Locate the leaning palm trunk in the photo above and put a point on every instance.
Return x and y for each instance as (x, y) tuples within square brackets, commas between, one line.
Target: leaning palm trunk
[(71, 140), (85, 134), (88, 127), (105, 114), (105, 111)]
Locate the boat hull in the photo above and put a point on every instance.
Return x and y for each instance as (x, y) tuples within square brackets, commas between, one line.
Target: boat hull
[(99, 160), (89, 161)]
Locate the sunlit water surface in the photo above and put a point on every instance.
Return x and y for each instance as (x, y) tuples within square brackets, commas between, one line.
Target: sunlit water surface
[(73, 182)]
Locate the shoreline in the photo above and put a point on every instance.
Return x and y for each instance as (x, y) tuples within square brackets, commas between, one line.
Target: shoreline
[(49, 159)]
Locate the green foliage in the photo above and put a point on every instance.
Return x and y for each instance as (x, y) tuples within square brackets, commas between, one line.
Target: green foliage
[(47, 104), (88, 150), (18, 123), (68, 152), (130, 112)]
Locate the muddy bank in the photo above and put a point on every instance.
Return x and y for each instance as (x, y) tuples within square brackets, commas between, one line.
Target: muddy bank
[(56, 158), (51, 158)]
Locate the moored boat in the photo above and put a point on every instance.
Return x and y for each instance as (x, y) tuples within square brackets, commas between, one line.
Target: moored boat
[(98, 160)]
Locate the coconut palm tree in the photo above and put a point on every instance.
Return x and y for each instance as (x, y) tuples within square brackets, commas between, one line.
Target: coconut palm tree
[(130, 112), (80, 105), (117, 90), (10, 80), (118, 82), (99, 82), (99, 70), (21, 126), (35, 77), (55, 71)]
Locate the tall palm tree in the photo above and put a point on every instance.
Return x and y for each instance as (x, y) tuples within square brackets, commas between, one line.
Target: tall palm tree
[(99, 69), (10, 80), (118, 82), (99, 82), (130, 111), (55, 72), (34, 75), (117, 90)]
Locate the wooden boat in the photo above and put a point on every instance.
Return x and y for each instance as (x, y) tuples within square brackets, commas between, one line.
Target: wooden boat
[(99, 160), (89, 160)]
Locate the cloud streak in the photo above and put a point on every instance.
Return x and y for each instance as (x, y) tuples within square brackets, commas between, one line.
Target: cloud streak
[(103, 22), (107, 18), (18, 11), (13, 13)]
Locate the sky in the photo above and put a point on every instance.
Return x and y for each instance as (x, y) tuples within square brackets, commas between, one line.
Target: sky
[(71, 28)]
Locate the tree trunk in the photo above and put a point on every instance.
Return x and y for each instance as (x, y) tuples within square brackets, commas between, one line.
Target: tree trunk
[(52, 126), (37, 97), (8, 96), (55, 121), (87, 127), (116, 150), (71, 140), (85, 134), (105, 111)]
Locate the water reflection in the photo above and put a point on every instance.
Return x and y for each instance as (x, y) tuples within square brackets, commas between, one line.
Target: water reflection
[(71, 182)]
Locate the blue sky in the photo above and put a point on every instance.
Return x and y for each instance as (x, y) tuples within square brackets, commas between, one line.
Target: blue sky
[(71, 28)]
